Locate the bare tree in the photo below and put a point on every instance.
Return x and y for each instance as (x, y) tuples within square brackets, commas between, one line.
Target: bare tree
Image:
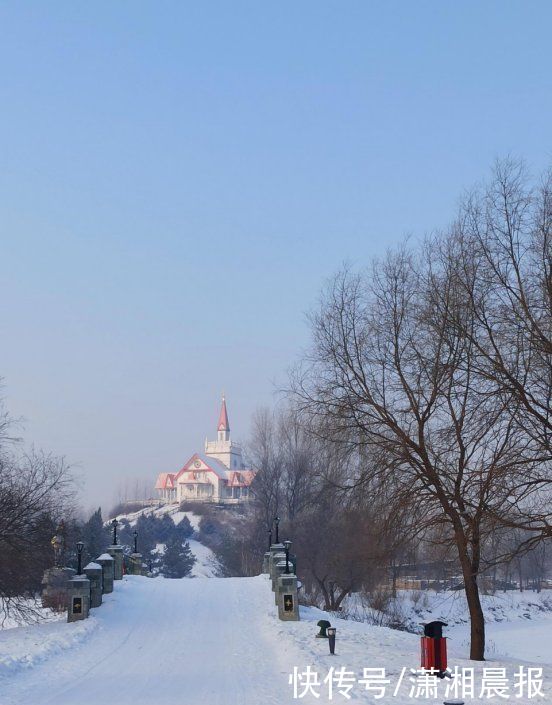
[(389, 369), (266, 457), (36, 492), (504, 247)]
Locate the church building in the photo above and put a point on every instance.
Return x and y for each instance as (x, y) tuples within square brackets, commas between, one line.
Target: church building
[(218, 474)]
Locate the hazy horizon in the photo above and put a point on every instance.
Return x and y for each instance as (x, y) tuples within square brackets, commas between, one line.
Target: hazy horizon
[(179, 180)]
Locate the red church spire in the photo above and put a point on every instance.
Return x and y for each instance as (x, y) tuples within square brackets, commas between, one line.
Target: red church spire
[(223, 424)]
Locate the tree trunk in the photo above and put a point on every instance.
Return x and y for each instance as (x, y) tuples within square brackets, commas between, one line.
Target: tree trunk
[(477, 618), (342, 595), (470, 573), (325, 593)]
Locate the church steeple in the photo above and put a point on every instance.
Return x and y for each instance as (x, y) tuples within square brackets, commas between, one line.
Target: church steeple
[(223, 429)]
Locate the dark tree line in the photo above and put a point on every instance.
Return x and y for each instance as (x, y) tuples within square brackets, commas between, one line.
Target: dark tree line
[(175, 560), (36, 492)]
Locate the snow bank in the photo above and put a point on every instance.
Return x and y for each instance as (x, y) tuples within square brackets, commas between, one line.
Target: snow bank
[(42, 615), (25, 647), (411, 607), (517, 623)]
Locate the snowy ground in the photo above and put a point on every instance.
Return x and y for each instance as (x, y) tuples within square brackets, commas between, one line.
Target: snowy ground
[(516, 622), (170, 509), (207, 641), (206, 565), (10, 620)]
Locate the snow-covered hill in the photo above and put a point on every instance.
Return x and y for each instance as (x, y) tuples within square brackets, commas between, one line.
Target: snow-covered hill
[(213, 641), (206, 565)]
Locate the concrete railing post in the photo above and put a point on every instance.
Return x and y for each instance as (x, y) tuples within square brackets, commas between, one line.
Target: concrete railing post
[(279, 570), (276, 548), (106, 562), (288, 604), (116, 552), (54, 587), (136, 563), (78, 598), (274, 571), (94, 573)]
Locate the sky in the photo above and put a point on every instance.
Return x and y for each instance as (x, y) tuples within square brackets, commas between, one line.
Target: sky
[(178, 180)]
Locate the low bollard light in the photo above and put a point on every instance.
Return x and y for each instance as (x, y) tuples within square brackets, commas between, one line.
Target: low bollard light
[(331, 638)]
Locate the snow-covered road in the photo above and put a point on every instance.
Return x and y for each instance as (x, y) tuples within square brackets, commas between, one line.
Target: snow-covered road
[(206, 641), (160, 642)]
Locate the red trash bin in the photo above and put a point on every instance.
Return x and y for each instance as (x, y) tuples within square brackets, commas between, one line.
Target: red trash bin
[(434, 648)]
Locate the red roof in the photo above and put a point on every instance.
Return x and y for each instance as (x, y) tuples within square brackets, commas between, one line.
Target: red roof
[(223, 424), (165, 481), (241, 478)]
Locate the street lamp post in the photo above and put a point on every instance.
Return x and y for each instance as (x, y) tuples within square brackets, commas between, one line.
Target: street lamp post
[(135, 534), (114, 524), (269, 538), (80, 546), (287, 546), (277, 523)]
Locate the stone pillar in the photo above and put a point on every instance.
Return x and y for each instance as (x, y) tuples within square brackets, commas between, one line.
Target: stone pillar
[(275, 548), (106, 562), (279, 569), (288, 604), (94, 573), (116, 552), (78, 598), (54, 590), (136, 564), (274, 558), (266, 559)]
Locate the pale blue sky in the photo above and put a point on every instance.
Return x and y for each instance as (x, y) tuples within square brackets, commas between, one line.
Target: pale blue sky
[(177, 180)]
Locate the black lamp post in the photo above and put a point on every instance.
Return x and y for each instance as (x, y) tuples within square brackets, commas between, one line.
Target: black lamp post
[(269, 538), (287, 546), (135, 534), (80, 546), (114, 524), (277, 522)]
